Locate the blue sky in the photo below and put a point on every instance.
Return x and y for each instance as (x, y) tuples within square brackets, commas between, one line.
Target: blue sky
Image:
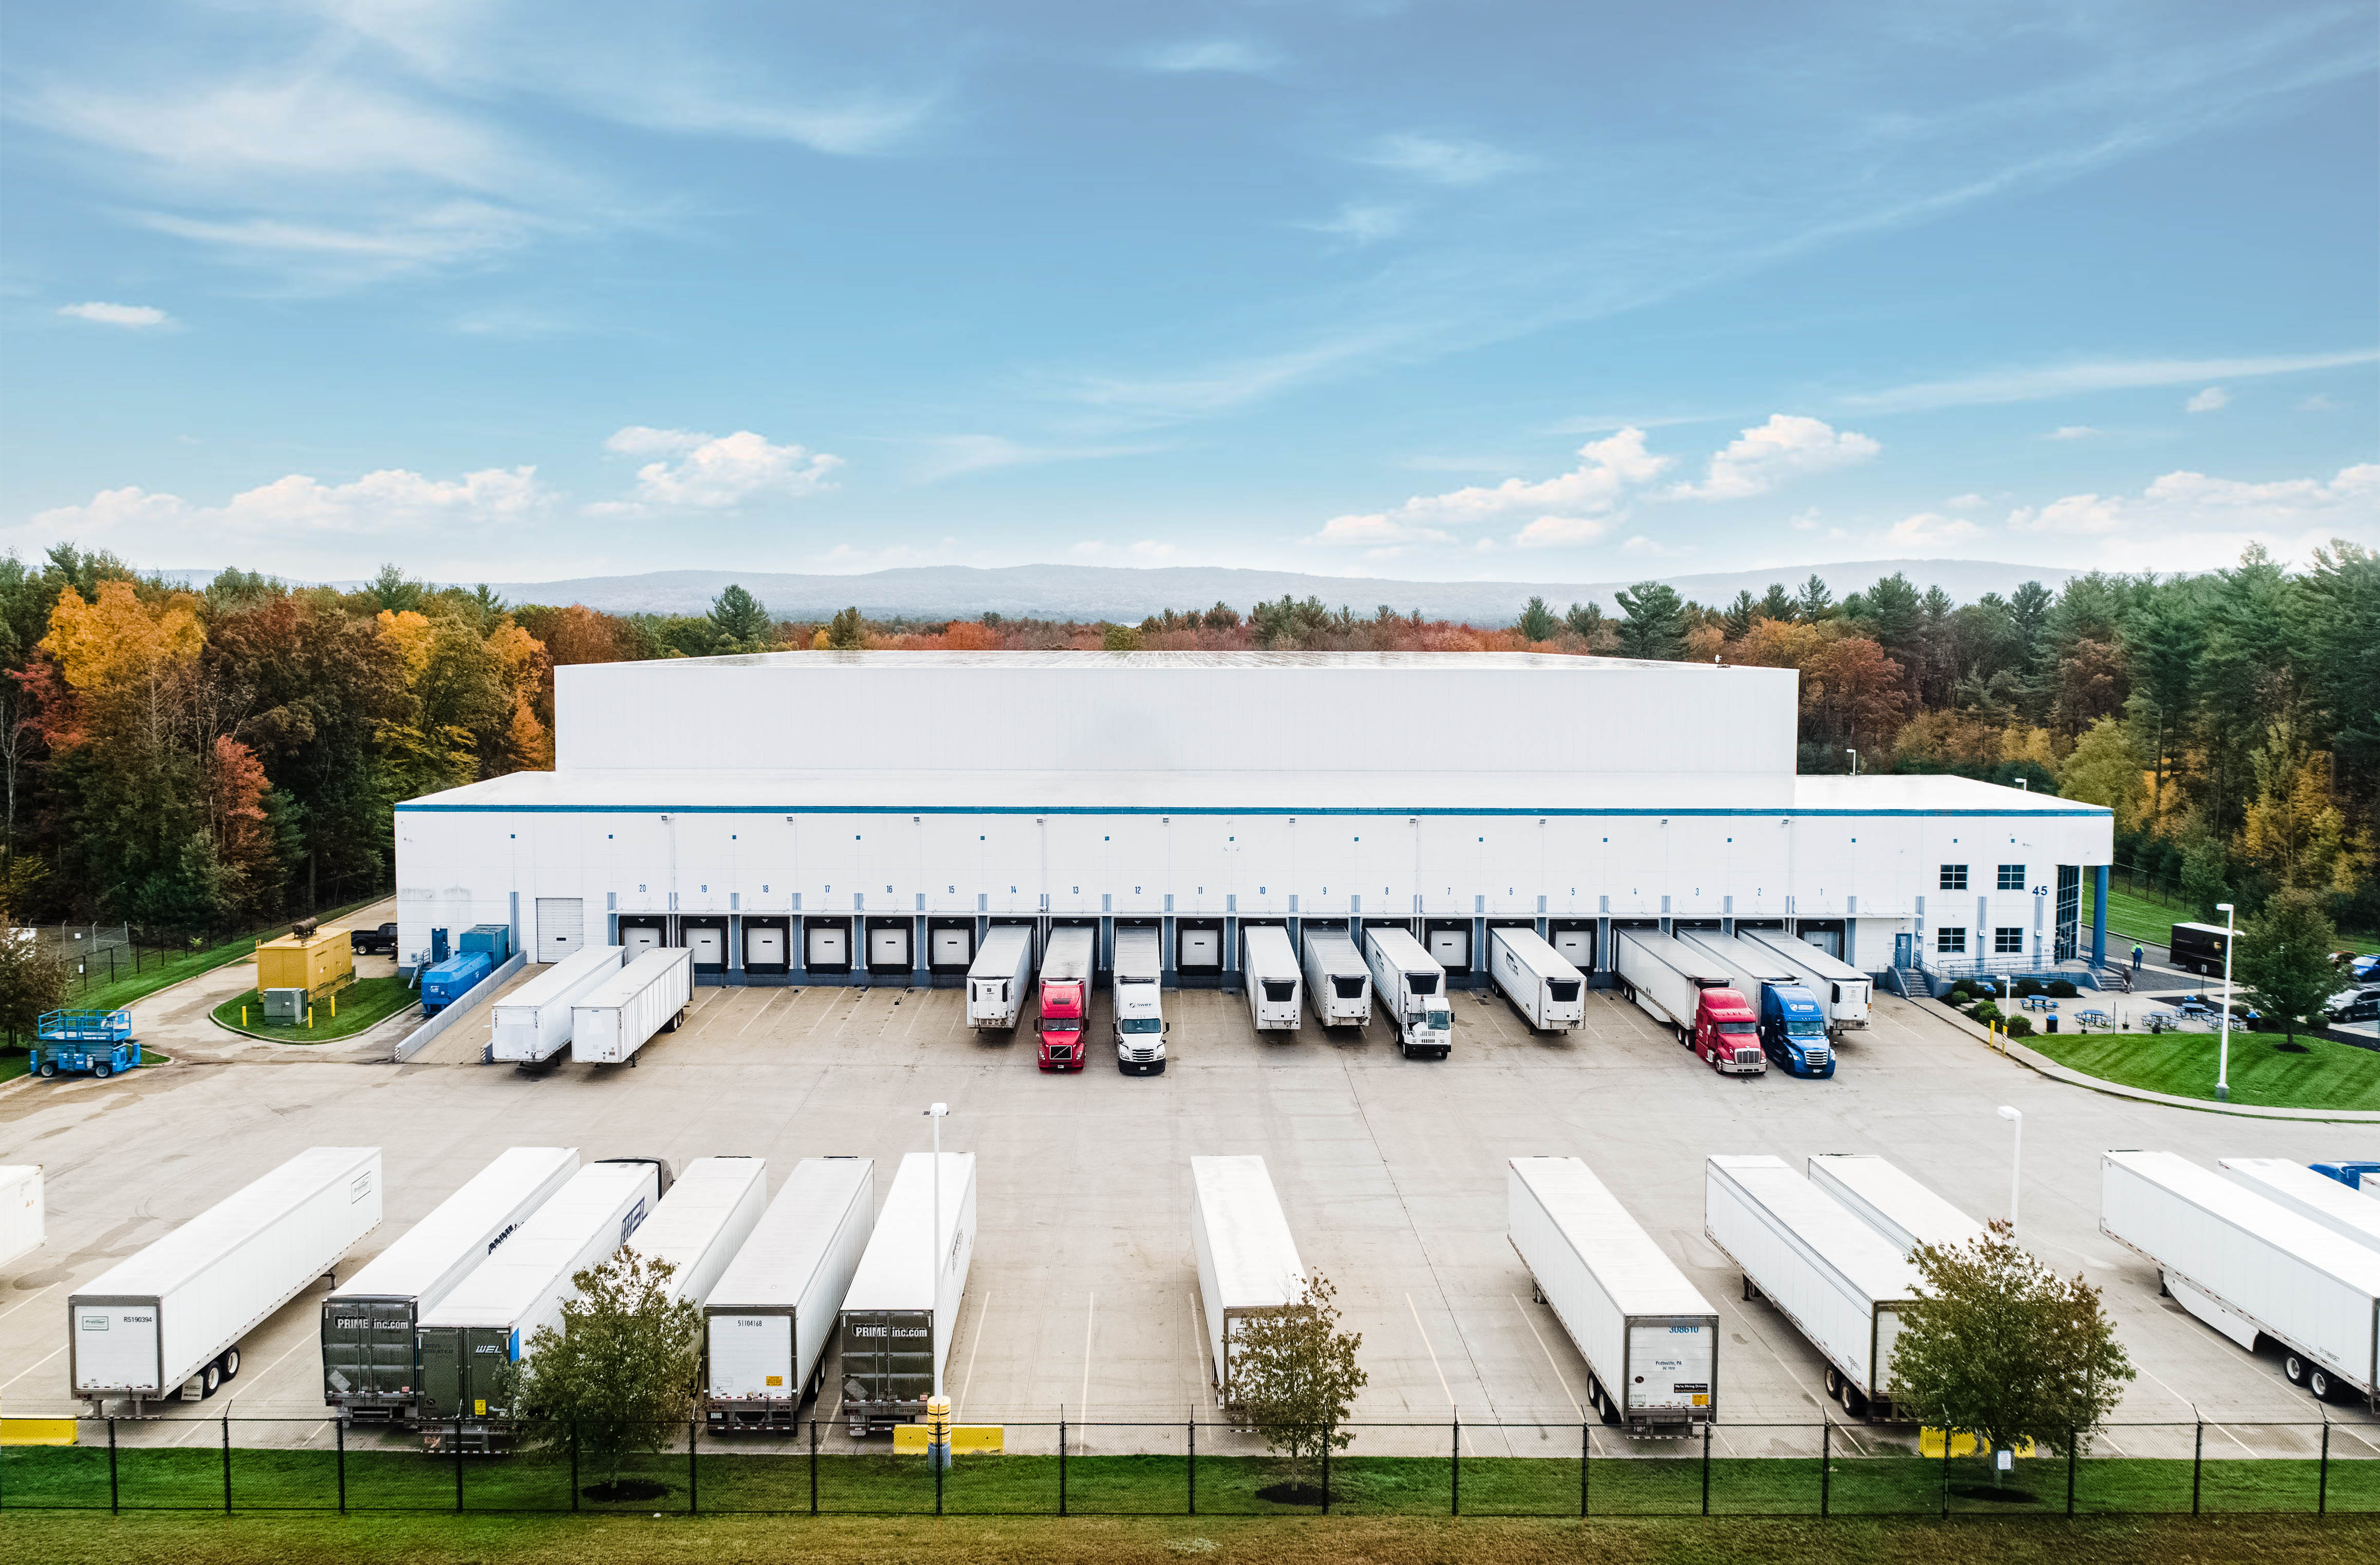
[(1561, 292)]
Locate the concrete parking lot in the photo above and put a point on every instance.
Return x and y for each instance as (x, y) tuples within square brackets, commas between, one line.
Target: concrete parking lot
[(1083, 1295)]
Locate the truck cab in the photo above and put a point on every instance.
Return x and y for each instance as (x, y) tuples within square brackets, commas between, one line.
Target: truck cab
[(1065, 1006), (1426, 1024), (1139, 1027), (1794, 1030), (1727, 1035)]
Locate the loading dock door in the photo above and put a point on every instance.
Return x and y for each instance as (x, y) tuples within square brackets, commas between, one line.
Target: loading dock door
[(952, 948), (764, 947), (1201, 948), (1451, 947), (639, 940), (1577, 948), (561, 926), (888, 946), (1829, 941), (708, 944), (828, 945)]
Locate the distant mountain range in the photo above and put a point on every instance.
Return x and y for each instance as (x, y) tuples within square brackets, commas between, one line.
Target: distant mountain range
[(1094, 592)]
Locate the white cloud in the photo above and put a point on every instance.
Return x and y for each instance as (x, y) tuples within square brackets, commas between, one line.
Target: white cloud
[(1804, 521), (1365, 222), (1788, 446), (2072, 379), (1567, 506), (2317, 403), (2072, 432), (1441, 160), (1374, 531), (1645, 546), (1555, 532), (1930, 529), (1236, 55), (2193, 521), (715, 472), (1963, 503), (2212, 399), (133, 315), (383, 503)]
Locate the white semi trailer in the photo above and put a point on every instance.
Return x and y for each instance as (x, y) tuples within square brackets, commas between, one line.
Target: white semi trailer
[(1841, 1283), (1338, 985), (1000, 980), (1137, 988), (2251, 1268), (2310, 1194), (370, 1326), (1842, 988), (703, 1223), (1665, 976), (1270, 970), (168, 1322), (769, 1320), (622, 1015), (1537, 979), (22, 1230), (1639, 1323), (1248, 1260), (1888, 1199), (532, 1023), (903, 1305), (1412, 988)]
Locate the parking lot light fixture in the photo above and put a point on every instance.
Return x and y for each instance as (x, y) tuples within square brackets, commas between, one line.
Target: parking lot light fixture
[(2015, 1116), (2223, 1049)]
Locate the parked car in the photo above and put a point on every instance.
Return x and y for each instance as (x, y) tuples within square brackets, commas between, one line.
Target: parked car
[(2354, 1005), (374, 942)]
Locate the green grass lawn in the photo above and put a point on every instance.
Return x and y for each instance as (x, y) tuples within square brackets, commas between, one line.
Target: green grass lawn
[(2136, 918), (367, 1003), (2329, 1076)]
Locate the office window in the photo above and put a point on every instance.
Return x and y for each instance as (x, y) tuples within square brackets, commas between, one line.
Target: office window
[(2012, 876), (2008, 943), (1950, 940), (1954, 876)]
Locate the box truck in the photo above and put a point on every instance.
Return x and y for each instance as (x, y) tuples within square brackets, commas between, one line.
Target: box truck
[(1686, 990), (1792, 1024), (769, 1320), (168, 1321), (1642, 1327), (370, 1327), (2201, 949), (1841, 1283), (1412, 988), (1338, 985), (1136, 990), (1247, 1262), (1537, 979), (2251, 1268), (702, 1224), (1066, 968), (620, 1016), (1270, 968), (1889, 1200), (489, 1321), (903, 1301), (998, 977), (1840, 988), (21, 1218), (2308, 1194), (533, 1023)]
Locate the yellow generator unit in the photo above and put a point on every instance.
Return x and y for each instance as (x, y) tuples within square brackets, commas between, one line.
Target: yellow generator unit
[(320, 962)]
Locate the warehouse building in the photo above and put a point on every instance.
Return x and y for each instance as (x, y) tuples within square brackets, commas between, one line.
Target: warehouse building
[(806, 817)]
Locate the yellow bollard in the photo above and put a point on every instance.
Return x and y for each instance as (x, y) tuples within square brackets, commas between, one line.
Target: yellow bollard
[(309, 1018), (243, 1015), (334, 1008)]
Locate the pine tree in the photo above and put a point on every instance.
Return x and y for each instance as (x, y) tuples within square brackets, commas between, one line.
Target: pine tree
[(1655, 626), (1777, 603), (742, 623), (1740, 614), (1536, 622), (1816, 602)]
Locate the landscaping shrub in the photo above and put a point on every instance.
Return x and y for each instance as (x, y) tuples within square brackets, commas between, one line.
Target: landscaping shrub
[(1986, 1011), (1959, 998), (2061, 989), (2027, 986), (2018, 1027)]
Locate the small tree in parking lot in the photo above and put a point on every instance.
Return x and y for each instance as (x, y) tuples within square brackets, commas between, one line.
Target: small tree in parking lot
[(619, 1378), (2284, 959), (1295, 1374)]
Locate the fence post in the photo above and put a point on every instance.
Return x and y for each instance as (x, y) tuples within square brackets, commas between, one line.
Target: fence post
[(1946, 1471), (1326, 1468), (813, 1466), (1456, 1494), (1062, 1464), (2322, 1489), (1585, 1449), (1826, 1463), (226, 1461), (458, 1463), (2197, 1461), (111, 1506), (341, 1428), (2074, 1449), (1193, 1467), (574, 1466), (694, 1475), (1707, 1439)]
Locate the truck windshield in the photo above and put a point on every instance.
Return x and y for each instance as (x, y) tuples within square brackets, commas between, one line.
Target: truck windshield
[(1347, 989), (1440, 1020), (1561, 991), (1280, 988), (1068, 1025), (1806, 1029), (1737, 1027), (1140, 1024), (1421, 983)]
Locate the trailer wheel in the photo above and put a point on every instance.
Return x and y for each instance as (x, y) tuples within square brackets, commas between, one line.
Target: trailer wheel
[(1855, 1402), (210, 1381), (231, 1364), (2293, 1368), (2324, 1388), (1834, 1383)]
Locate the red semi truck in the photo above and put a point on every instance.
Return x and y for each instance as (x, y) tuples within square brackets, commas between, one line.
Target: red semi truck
[(1684, 989), (1068, 965)]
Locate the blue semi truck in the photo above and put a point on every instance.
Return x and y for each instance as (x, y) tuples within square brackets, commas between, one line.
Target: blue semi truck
[(1792, 1023)]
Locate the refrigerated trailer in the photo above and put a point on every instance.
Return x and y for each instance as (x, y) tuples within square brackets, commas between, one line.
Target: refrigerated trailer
[(1686, 990), (1537, 979), (370, 1326), (1840, 988), (1633, 1316), (533, 1023), (903, 1302), (2310, 1194), (998, 977), (1839, 1281), (21, 1225), (769, 1318), (1247, 1261), (1412, 988), (168, 1322), (612, 1021), (1338, 985), (1137, 988), (703, 1221), (491, 1318), (2251, 1268), (1891, 1201), (1273, 980), (1067, 964)]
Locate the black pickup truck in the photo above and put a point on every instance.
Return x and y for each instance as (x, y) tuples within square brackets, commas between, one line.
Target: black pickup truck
[(368, 942)]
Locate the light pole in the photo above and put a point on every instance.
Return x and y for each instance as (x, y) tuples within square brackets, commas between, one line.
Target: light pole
[(938, 1411), (1854, 754), (2016, 1160), (2223, 1049)]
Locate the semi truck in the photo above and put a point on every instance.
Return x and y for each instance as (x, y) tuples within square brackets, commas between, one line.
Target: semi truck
[(1067, 964), (1412, 988), (1649, 1338), (1891, 1201), (1269, 967), (1137, 988), (768, 1321), (168, 1321), (1792, 1024), (1841, 1283), (489, 1320), (1248, 1260), (21, 1214), (903, 1301), (1842, 989), (998, 978), (703, 1223), (2310, 1194), (1539, 981), (2252, 1269), (1338, 985), (370, 1327), (627, 1011), (533, 1023), (1685, 989)]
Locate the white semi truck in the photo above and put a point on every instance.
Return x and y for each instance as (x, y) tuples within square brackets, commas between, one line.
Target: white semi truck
[(1248, 1259), (1001, 978), (1840, 988), (1891, 1201), (1338, 985), (620, 1016), (1649, 1338), (1137, 988), (902, 1304), (1270, 971), (532, 1023), (769, 1320), (1537, 979), (1412, 988)]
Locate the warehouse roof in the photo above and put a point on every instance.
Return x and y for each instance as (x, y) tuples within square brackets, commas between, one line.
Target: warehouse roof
[(1475, 661)]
